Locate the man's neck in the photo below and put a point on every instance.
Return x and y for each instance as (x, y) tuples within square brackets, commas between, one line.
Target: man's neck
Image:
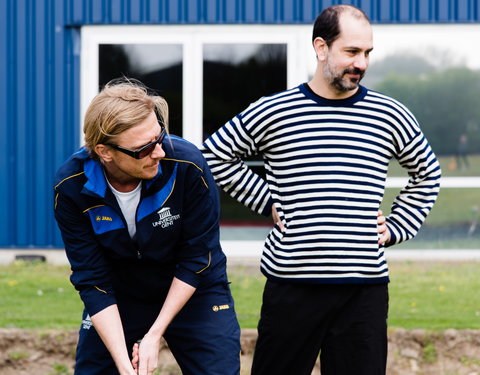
[(323, 89), (122, 184)]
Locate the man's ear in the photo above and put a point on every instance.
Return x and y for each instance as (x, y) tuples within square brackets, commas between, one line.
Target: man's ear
[(104, 152), (321, 48)]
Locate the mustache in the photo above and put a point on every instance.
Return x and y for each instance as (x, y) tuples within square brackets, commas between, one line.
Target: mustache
[(354, 71)]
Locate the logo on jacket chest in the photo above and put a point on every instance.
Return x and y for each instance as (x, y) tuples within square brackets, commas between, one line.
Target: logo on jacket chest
[(165, 218)]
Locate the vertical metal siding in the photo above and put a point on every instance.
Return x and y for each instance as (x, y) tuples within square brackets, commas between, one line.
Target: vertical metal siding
[(5, 180), (262, 11), (37, 109), (39, 100)]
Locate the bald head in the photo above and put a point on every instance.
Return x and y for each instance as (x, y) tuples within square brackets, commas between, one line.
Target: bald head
[(327, 24)]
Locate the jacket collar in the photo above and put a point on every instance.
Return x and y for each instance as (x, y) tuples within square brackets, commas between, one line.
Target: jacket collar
[(96, 183)]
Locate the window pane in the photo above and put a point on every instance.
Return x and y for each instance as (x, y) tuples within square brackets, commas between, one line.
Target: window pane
[(453, 222), (158, 66), (437, 79), (235, 75)]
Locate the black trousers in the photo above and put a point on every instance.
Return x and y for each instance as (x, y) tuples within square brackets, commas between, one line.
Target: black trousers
[(346, 324)]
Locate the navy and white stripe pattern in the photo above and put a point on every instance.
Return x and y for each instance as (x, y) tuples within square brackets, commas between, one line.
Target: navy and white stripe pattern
[(326, 164)]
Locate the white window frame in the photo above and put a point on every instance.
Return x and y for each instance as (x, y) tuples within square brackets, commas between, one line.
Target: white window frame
[(192, 38), (300, 64)]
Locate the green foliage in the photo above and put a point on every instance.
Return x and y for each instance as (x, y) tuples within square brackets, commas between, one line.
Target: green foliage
[(18, 356), (60, 369), (470, 361), (402, 63), (429, 352), (444, 102)]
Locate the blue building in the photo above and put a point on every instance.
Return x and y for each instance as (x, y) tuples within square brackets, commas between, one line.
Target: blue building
[(55, 54)]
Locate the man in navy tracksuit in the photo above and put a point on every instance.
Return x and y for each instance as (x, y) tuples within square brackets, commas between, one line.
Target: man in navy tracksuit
[(138, 211)]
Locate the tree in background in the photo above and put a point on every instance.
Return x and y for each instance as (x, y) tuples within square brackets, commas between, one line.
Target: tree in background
[(445, 101)]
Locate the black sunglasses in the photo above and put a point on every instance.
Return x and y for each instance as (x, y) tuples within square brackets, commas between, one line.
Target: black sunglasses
[(142, 151)]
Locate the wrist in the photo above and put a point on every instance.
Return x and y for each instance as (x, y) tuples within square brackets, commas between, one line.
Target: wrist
[(125, 368), (156, 333)]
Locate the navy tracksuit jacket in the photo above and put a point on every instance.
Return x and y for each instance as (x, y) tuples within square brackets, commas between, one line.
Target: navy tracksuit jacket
[(177, 235)]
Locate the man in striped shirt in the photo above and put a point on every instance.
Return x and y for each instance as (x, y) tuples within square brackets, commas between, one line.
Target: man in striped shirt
[(326, 145)]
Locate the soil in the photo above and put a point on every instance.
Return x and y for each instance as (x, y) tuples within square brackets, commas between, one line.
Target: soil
[(452, 352)]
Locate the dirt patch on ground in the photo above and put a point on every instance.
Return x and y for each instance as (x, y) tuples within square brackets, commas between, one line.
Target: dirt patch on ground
[(450, 352)]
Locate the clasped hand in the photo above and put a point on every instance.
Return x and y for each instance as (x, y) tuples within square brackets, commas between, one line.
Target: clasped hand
[(145, 355)]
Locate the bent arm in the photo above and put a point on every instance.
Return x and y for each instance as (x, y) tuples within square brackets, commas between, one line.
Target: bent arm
[(147, 354), (225, 151), (90, 268), (178, 295), (91, 276), (416, 199)]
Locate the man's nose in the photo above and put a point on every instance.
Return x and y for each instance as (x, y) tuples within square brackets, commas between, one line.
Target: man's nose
[(361, 62), (158, 152)]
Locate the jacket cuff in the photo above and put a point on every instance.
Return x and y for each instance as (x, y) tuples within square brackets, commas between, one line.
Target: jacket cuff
[(95, 300), (187, 276)]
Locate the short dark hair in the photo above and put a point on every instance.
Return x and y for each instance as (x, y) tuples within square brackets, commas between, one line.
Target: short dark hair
[(327, 25)]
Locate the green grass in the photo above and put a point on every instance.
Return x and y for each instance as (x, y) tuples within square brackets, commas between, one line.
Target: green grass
[(247, 287), (428, 295), (435, 296), (38, 295)]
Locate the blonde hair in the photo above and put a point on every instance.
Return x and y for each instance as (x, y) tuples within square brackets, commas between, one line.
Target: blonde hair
[(121, 105)]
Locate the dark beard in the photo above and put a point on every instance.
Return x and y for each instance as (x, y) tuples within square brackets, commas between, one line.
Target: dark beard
[(338, 81)]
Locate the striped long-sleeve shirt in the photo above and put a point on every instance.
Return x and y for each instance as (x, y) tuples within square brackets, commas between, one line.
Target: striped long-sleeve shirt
[(326, 164)]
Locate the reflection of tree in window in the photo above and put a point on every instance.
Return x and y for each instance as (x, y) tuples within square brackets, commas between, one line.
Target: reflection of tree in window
[(444, 99), (231, 84), (396, 64), (113, 63), (117, 60), (235, 75)]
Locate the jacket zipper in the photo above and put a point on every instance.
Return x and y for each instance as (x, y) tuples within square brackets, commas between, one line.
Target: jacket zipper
[(142, 193)]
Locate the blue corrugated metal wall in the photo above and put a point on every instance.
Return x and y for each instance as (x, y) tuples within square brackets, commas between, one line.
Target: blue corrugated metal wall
[(39, 71), (262, 11), (39, 111)]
